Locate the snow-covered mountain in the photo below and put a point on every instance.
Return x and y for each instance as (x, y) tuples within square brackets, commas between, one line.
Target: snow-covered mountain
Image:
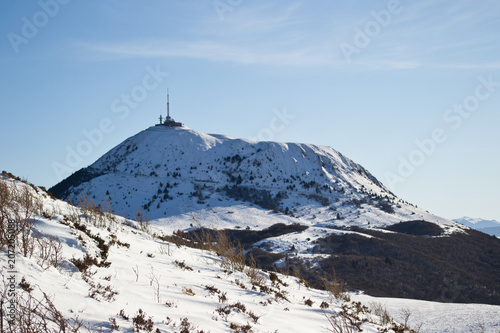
[(170, 172), (91, 271), (491, 227)]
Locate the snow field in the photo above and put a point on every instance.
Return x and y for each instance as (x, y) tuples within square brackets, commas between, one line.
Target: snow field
[(166, 282)]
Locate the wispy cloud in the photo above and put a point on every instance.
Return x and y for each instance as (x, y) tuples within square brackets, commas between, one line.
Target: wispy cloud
[(277, 35), (212, 51)]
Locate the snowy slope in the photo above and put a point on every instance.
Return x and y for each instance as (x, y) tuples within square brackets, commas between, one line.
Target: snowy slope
[(138, 277), (186, 290)]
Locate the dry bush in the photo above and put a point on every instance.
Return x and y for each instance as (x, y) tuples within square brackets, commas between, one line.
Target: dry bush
[(233, 254), (254, 317), (224, 311), (141, 322), (324, 305), (92, 213), (75, 215), (255, 275), (154, 281), (183, 265), (339, 323), (100, 292), (309, 302), (108, 211), (165, 250), (217, 241), (25, 212), (6, 212), (85, 263), (379, 310), (41, 316), (188, 291), (237, 328), (335, 287), (18, 205), (405, 314), (212, 289), (143, 220), (49, 251)]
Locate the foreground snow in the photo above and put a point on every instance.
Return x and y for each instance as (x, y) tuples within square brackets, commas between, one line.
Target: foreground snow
[(187, 290), (435, 317)]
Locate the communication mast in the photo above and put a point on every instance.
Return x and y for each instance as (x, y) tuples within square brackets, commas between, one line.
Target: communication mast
[(168, 106), (169, 121)]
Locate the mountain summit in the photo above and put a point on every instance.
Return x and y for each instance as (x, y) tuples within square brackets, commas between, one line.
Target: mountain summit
[(167, 171)]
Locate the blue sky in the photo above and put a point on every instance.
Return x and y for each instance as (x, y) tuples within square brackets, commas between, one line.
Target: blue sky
[(408, 89)]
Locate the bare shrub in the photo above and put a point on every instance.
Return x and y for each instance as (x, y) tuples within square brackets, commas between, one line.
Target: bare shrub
[(324, 305), (40, 316), (123, 315), (217, 241), (224, 311), (25, 212), (188, 291), (186, 327), (276, 281), (253, 316), (339, 323), (114, 325), (212, 289), (379, 310), (75, 215), (165, 250), (183, 265), (90, 212), (309, 302), (17, 207), (239, 306), (255, 275), (50, 251), (405, 314), (237, 328), (223, 297), (136, 272), (85, 263), (144, 224), (25, 285), (100, 292), (335, 287), (154, 281), (141, 322), (233, 254), (6, 212)]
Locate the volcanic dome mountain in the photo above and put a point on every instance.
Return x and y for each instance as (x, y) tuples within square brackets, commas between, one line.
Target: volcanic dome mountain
[(168, 171), (299, 208)]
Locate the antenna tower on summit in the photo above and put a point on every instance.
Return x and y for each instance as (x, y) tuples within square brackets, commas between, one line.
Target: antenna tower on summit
[(169, 121), (168, 106)]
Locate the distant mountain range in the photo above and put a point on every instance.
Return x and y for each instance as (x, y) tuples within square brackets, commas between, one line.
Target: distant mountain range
[(491, 227)]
